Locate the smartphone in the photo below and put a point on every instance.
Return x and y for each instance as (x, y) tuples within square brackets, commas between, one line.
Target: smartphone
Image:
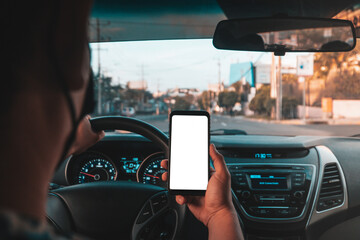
[(189, 152)]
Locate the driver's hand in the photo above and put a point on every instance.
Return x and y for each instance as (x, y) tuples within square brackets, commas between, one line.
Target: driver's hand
[(85, 137), (217, 201)]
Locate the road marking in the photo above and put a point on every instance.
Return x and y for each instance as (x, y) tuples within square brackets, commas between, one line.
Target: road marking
[(224, 124)]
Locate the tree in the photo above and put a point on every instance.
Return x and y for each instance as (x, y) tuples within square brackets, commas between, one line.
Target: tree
[(228, 99), (242, 90), (289, 107), (342, 80), (262, 104), (346, 86), (238, 86), (135, 96), (204, 100), (290, 86), (324, 62), (181, 103)]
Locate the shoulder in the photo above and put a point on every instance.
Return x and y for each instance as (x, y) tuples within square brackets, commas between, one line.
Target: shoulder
[(16, 226)]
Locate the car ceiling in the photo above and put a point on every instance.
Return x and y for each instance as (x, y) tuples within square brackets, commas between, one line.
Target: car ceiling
[(131, 20)]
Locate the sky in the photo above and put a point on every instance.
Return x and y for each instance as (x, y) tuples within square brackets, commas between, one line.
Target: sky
[(168, 64)]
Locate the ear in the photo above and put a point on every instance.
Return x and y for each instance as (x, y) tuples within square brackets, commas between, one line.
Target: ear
[(71, 41)]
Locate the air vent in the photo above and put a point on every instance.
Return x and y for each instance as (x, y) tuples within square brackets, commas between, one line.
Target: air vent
[(332, 192)]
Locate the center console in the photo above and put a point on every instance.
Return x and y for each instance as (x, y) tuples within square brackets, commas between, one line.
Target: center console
[(270, 192)]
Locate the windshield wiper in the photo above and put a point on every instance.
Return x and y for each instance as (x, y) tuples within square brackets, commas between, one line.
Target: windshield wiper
[(222, 131)]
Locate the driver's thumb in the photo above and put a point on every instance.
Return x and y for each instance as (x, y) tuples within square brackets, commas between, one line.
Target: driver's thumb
[(218, 160)]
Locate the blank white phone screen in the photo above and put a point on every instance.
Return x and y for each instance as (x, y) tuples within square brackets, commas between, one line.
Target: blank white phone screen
[(189, 152)]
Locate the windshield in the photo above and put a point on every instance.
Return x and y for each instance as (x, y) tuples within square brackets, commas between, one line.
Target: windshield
[(318, 94)]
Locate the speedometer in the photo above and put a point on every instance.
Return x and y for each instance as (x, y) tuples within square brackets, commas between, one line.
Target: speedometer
[(97, 170), (150, 170)]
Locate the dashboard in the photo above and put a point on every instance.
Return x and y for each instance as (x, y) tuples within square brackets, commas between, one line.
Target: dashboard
[(303, 187)]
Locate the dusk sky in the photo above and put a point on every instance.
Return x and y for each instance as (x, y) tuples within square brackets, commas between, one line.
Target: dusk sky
[(172, 63)]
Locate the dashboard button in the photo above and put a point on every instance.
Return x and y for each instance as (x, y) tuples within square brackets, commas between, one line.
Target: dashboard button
[(299, 194), (242, 184), (298, 184), (245, 194), (145, 214), (301, 175), (283, 212), (241, 179), (292, 210), (263, 211), (239, 175), (238, 192), (235, 167)]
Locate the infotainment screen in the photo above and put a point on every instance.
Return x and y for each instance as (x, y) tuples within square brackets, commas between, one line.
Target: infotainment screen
[(269, 181)]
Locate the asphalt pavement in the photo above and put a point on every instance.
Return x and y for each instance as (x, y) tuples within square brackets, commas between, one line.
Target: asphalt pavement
[(262, 127)]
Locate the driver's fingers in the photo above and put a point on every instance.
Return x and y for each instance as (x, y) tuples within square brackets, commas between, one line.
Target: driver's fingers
[(218, 160), (195, 200), (182, 200), (164, 176), (164, 163)]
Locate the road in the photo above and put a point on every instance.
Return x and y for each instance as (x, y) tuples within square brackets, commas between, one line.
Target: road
[(262, 127)]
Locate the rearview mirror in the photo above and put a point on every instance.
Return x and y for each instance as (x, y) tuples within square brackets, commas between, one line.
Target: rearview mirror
[(286, 34)]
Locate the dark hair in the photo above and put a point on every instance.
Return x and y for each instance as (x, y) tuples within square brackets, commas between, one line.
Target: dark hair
[(26, 27), (30, 28)]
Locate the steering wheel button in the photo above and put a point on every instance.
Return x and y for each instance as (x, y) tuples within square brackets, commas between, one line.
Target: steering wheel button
[(145, 214), (159, 202)]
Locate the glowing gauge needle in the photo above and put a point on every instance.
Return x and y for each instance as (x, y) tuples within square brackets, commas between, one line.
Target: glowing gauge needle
[(87, 174), (151, 176)]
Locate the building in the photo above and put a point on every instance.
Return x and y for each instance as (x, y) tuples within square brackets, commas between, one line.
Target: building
[(140, 85), (181, 92), (216, 87)]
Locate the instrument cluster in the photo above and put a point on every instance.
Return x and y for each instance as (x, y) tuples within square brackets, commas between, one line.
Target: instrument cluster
[(93, 166)]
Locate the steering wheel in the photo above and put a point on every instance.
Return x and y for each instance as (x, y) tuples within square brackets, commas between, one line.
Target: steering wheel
[(120, 209)]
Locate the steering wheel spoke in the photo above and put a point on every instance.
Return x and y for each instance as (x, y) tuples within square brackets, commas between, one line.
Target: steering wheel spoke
[(151, 212)]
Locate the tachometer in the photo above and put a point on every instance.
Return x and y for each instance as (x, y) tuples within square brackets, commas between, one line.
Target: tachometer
[(97, 170), (150, 170)]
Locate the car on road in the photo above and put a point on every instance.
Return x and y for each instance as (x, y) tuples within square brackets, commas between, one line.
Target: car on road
[(128, 111), (290, 179), (237, 108)]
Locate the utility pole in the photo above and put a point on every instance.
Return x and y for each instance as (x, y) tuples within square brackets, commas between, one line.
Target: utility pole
[(99, 66), (304, 100), (142, 85), (301, 79), (97, 26), (157, 87), (279, 91), (219, 66), (157, 95), (142, 73)]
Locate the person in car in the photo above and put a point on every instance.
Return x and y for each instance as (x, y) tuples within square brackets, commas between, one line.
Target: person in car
[(46, 94)]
